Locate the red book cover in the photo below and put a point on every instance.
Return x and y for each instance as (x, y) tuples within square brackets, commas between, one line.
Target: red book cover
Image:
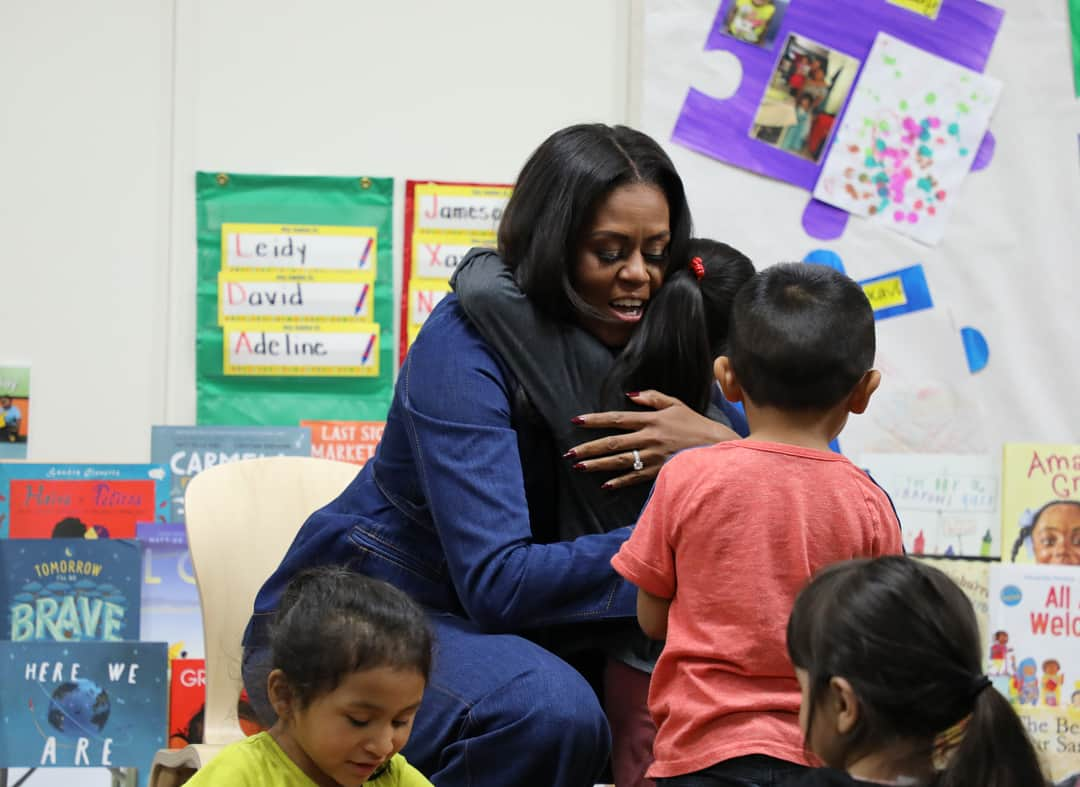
[(110, 507), (187, 700)]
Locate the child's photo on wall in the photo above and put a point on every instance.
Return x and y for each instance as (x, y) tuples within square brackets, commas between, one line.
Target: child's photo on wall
[(804, 96), (754, 21)]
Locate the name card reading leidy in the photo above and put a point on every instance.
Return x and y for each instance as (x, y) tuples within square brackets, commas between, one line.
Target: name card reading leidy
[(304, 246), (252, 295), (314, 349), (457, 207)]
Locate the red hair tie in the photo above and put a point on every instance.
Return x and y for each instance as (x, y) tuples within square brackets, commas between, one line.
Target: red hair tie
[(698, 267)]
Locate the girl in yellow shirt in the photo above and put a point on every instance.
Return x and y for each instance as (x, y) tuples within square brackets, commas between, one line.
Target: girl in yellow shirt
[(351, 659)]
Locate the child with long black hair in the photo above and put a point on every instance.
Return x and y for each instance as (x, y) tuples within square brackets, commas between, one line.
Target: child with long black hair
[(351, 658), (887, 654), (563, 371)]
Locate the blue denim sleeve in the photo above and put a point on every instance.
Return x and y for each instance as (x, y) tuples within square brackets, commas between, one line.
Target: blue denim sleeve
[(457, 411)]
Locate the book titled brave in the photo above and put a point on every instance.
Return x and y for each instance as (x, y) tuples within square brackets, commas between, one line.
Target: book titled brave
[(82, 704), (68, 590)]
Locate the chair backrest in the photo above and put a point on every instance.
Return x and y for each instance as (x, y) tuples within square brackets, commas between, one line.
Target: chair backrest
[(241, 518)]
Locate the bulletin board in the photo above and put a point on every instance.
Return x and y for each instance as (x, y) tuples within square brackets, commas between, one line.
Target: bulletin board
[(295, 312), (975, 319)]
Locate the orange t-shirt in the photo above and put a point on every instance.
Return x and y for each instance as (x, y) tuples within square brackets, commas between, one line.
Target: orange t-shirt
[(731, 534)]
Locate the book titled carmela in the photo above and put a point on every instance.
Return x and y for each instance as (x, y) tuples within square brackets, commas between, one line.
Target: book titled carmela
[(68, 590), (82, 704), (188, 450), (1040, 504), (1034, 652)]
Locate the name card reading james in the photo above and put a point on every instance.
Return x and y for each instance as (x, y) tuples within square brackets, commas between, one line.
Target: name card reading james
[(304, 246), (312, 349), (441, 206)]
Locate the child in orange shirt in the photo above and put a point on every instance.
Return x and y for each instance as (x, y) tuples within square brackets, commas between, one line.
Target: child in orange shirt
[(744, 524)]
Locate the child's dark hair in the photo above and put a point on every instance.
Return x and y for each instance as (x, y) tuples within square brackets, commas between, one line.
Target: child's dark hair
[(333, 622), (1028, 530), (685, 326), (905, 637), (801, 336)]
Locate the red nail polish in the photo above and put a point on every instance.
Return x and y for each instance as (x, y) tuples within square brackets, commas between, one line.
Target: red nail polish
[(632, 394), (579, 466), (577, 419), (570, 454), (606, 485)]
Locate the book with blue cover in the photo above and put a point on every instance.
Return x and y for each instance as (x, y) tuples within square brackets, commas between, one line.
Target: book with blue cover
[(80, 501), (82, 704), (67, 590), (188, 450), (170, 597)]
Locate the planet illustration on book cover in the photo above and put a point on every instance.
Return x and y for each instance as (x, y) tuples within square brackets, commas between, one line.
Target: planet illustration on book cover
[(78, 708)]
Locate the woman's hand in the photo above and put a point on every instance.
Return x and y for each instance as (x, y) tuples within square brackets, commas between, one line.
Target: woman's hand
[(655, 436)]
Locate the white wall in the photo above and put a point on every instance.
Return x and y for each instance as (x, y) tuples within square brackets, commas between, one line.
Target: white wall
[(108, 109), (114, 107)]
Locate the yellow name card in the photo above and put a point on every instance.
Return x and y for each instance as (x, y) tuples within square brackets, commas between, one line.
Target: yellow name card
[(303, 246), (301, 349), (886, 293)]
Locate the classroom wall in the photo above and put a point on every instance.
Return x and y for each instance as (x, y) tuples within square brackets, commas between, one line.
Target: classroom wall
[(110, 108), (113, 107)]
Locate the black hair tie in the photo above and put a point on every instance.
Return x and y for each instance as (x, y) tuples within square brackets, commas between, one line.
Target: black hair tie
[(978, 684)]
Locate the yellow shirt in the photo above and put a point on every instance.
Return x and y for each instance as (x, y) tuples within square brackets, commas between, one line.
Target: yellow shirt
[(259, 762)]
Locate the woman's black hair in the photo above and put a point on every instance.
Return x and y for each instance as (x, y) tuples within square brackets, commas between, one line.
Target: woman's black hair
[(555, 201), (684, 328), (905, 637), (333, 622), (1027, 531)]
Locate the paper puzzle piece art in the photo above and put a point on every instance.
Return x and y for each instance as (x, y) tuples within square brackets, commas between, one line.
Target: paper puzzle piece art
[(964, 33), (907, 140)]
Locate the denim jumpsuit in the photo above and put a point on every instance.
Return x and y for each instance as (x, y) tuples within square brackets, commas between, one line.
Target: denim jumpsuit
[(447, 510)]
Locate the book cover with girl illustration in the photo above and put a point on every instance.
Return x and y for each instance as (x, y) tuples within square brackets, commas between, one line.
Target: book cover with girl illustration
[(1033, 651), (1040, 503)]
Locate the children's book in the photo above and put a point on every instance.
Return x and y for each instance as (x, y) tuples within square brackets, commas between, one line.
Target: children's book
[(68, 590), (188, 450), (948, 504), (80, 500), (1034, 656), (345, 441), (187, 701), (1040, 504), (973, 577), (82, 704), (170, 597)]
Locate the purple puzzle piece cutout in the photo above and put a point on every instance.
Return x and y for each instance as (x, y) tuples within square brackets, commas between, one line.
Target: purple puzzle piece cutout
[(964, 33), (985, 153)]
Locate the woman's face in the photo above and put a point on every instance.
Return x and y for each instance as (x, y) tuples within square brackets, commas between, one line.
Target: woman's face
[(1056, 535), (621, 259)]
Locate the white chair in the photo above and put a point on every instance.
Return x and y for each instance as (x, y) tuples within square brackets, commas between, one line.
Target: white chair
[(241, 518)]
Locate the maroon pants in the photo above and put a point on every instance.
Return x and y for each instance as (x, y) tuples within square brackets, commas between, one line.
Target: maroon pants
[(626, 702)]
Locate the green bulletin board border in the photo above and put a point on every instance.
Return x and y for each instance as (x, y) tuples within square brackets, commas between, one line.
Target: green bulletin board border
[(284, 199), (1074, 28)]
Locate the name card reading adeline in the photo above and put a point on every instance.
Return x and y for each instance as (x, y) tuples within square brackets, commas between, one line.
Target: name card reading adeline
[(317, 348)]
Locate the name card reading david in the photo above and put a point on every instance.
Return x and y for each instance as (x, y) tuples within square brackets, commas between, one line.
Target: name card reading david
[(444, 206), (304, 246), (436, 254), (338, 295), (317, 349), (82, 704)]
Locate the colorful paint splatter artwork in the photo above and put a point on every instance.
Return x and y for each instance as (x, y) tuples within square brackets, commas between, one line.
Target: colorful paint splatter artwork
[(908, 139)]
